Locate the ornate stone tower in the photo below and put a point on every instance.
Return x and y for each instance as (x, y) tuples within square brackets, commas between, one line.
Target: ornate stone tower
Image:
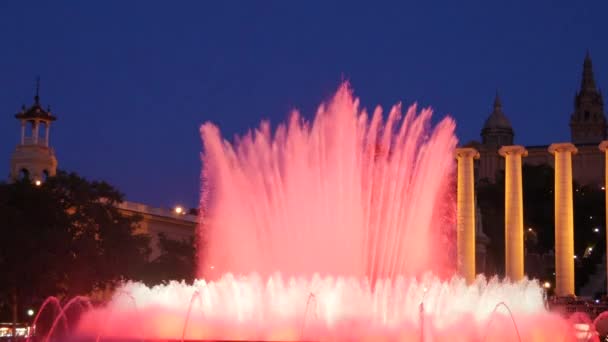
[(33, 158), (497, 130), (588, 123)]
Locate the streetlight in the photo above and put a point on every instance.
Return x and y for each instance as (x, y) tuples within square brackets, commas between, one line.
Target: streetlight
[(178, 210), (547, 285), (30, 312), (596, 230), (38, 182)]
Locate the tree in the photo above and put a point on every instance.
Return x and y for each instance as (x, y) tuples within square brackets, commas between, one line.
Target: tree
[(538, 196), (589, 231), (65, 237), (491, 199), (538, 212), (176, 261)]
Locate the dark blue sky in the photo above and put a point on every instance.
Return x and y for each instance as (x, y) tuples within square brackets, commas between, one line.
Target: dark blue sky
[(131, 81)]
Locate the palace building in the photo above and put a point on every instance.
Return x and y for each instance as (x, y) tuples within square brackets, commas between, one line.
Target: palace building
[(35, 159), (587, 130)]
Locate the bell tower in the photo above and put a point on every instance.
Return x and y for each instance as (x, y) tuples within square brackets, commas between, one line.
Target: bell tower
[(33, 158), (588, 123)]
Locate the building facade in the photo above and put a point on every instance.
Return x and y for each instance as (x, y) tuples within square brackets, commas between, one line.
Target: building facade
[(35, 159), (174, 224), (587, 130)]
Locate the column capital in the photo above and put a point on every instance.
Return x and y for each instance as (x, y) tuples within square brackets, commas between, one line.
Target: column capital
[(513, 150), (562, 147), (466, 152), (604, 146)]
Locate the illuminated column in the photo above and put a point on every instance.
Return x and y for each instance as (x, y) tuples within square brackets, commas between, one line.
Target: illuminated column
[(514, 212), (604, 148), (564, 219), (465, 217)]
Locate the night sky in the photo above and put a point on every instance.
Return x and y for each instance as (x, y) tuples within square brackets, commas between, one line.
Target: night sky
[(131, 81)]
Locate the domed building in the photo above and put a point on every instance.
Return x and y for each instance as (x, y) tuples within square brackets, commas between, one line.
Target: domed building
[(497, 130), (587, 130)]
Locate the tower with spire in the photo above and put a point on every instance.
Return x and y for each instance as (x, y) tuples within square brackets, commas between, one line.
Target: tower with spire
[(497, 130), (33, 158), (588, 122)]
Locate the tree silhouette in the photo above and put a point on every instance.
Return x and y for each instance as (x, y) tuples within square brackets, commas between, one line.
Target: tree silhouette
[(538, 196), (64, 237)]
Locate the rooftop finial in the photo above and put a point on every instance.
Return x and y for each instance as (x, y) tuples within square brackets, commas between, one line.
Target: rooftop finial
[(497, 103), (37, 97)]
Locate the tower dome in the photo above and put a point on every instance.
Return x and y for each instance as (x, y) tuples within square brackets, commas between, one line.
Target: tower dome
[(497, 130)]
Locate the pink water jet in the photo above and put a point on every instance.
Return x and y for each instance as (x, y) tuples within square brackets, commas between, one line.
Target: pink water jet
[(346, 194), (352, 210)]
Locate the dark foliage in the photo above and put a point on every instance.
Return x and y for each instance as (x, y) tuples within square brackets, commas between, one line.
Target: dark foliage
[(538, 185), (64, 237), (175, 262)]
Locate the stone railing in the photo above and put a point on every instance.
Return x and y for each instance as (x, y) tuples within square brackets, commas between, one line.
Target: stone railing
[(145, 209)]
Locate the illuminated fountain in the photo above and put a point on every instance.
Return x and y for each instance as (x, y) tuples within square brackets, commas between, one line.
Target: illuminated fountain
[(337, 229)]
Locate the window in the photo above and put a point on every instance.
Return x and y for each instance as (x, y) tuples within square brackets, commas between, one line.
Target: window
[(41, 131), (24, 174), (29, 128)]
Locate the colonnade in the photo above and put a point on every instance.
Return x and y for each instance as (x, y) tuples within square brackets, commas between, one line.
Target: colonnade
[(514, 214)]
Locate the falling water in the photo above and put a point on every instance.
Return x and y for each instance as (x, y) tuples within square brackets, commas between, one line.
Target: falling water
[(80, 300), (346, 194), (349, 209)]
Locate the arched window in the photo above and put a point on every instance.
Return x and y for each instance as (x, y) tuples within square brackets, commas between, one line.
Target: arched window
[(41, 131), (24, 174), (29, 128)]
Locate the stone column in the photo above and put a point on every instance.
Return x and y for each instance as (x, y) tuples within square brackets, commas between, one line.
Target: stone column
[(465, 217), (564, 219), (35, 132), (514, 212), (46, 133), (604, 148), (22, 132)]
